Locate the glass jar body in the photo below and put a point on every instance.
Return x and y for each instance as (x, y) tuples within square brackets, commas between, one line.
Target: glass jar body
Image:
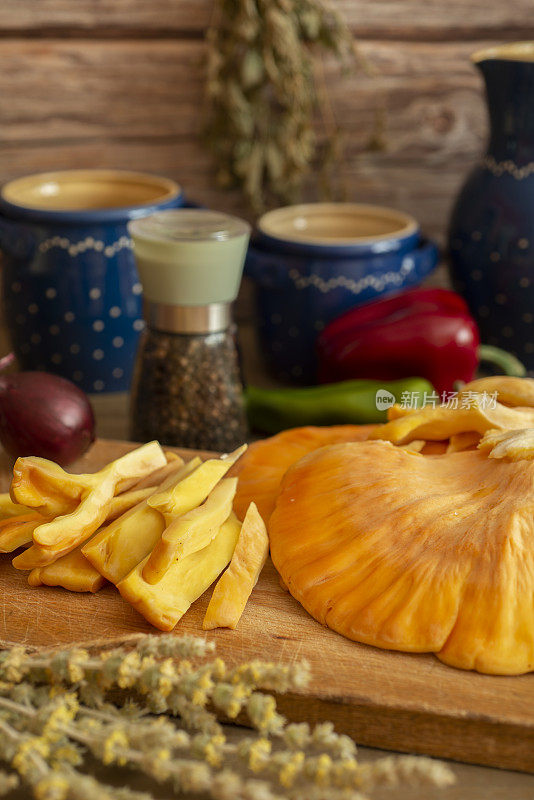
[(188, 392)]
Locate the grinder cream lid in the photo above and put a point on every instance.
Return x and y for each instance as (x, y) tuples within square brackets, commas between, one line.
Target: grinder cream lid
[(190, 256)]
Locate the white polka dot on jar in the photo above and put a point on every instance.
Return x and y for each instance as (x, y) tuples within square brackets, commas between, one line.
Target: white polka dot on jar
[(33, 308), (137, 288), (296, 371), (476, 274), (54, 330), (98, 325), (25, 348), (118, 372), (528, 317), (50, 293), (98, 354), (507, 332), (74, 349), (95, 293), (20, 319), (484, 311), (500, 299), (56, 358), (293, 332), (523, 244), (138, 324), (117, 341), (69, 316), (77, 375), (98, 386), (495, 256), (524, 282), (318, 325), (35, 338), (16, 286), (115, 312), (476, 236)]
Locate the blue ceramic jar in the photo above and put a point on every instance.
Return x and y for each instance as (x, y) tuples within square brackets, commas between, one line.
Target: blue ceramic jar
[(491, 238), (312, 263), (71, 293)]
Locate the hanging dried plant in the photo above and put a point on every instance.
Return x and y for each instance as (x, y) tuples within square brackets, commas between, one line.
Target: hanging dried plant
[(261, 92)]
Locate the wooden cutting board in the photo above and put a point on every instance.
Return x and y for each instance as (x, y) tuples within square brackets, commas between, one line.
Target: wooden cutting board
[(396, 701)]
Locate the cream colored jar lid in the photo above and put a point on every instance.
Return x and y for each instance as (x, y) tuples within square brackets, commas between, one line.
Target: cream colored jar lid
[(190, 256)]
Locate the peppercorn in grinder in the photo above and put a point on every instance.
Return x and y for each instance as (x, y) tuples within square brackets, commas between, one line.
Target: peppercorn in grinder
[(187, 388)]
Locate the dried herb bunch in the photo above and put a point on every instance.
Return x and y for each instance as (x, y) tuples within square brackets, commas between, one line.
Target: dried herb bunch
[(55, 708), (261, 91)]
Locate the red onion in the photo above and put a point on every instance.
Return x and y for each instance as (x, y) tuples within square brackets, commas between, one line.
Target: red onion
[(44, 415)]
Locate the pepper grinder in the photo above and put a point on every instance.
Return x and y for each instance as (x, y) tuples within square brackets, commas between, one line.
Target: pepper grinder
[(187, 389)]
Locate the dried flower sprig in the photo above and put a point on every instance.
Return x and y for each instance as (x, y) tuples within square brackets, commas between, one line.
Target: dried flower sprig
[(261, 92), (55, 707)]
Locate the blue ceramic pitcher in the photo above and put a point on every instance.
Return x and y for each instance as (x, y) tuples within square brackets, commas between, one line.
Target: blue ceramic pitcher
[(491, 236), (71, 294)]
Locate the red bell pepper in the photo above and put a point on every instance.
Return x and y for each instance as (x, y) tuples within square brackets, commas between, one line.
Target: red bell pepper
[(424, 332)]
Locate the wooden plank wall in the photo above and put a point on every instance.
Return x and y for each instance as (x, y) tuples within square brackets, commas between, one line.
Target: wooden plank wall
[(119, 83)]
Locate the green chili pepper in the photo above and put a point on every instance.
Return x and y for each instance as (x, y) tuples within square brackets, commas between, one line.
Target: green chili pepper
[(356, 402)]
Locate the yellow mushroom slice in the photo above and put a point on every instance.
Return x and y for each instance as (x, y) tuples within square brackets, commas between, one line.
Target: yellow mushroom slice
[(509, 445), (73, 571), (18, 531), (52, 506), (159, 475), (118, 548), (463, 441), (40, 556), (46, 487), (191, 492), (69, 530), (508, 390), (150, 485), (121, 503), (414, 446), (37, 556), (10, 509), (164, 603), (443, 422), (397, 411), (235, 586), (192, 531)]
